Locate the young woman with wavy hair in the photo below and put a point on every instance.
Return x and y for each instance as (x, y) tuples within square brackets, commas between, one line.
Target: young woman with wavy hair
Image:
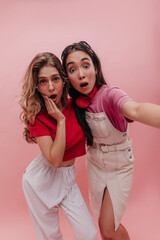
[(49, 180)]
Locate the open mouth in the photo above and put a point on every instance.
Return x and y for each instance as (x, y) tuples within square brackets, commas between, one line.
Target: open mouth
[(83, 85), (53, 97)]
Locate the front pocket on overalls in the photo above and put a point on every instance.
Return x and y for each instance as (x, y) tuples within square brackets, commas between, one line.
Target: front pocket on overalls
[(129, 155), (125, 158)]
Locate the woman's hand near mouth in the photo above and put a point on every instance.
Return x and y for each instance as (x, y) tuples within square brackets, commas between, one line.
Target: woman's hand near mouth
[(53, 109)]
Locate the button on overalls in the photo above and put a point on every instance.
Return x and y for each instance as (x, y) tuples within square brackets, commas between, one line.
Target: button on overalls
[(109, 164)]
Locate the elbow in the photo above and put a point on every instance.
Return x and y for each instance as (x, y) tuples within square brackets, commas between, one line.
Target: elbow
[(55, 164)]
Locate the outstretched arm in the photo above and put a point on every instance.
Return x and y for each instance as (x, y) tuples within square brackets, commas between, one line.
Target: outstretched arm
[(146, 113), (54, 150)]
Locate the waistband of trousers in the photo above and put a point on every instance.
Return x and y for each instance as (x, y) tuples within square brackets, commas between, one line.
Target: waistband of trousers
[(113, 147)]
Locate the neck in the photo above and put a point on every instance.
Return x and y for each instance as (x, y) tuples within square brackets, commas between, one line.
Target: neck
[(84, 101), (93, 92)]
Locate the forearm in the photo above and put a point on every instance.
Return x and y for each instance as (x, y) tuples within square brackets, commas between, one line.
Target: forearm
[(58, 147), (149, 114), (146, 113), (54, 150)]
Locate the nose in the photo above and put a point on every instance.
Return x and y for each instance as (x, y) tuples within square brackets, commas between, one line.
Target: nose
[(50, 85), (81, 74)]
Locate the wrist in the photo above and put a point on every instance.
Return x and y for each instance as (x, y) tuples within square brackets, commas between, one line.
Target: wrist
[(61, 121)]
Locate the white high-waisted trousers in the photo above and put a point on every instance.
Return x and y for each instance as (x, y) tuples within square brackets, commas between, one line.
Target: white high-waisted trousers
[(109, 165), (46, 189)]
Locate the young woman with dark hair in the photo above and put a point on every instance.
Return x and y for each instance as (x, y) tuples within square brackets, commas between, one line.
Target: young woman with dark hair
[(104, 112)]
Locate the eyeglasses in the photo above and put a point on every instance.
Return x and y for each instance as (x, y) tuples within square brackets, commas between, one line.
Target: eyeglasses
[(44, 84)]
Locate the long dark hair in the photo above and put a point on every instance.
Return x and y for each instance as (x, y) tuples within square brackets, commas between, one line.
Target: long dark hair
[(80, 112)]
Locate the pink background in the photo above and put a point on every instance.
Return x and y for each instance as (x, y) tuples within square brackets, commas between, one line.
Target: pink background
[(126, 35)]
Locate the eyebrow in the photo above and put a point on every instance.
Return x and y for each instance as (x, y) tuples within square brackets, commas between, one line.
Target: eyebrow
[(83, 59), (54, 75)]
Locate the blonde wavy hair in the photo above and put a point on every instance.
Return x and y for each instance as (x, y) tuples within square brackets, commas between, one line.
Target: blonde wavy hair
[(31, 100)]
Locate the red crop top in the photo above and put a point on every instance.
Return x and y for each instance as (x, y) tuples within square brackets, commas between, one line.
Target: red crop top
[(46, 125)]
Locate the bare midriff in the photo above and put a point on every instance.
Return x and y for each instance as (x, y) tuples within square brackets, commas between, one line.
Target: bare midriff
[(68, 163)]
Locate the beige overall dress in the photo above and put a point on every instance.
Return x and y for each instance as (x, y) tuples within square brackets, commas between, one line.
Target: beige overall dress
[(109, 164)]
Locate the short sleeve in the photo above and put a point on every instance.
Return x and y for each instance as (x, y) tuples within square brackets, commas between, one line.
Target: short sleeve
[(39, 128), (112, 101)]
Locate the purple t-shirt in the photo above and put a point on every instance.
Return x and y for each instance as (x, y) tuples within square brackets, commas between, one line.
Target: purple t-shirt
[(111, 99)]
